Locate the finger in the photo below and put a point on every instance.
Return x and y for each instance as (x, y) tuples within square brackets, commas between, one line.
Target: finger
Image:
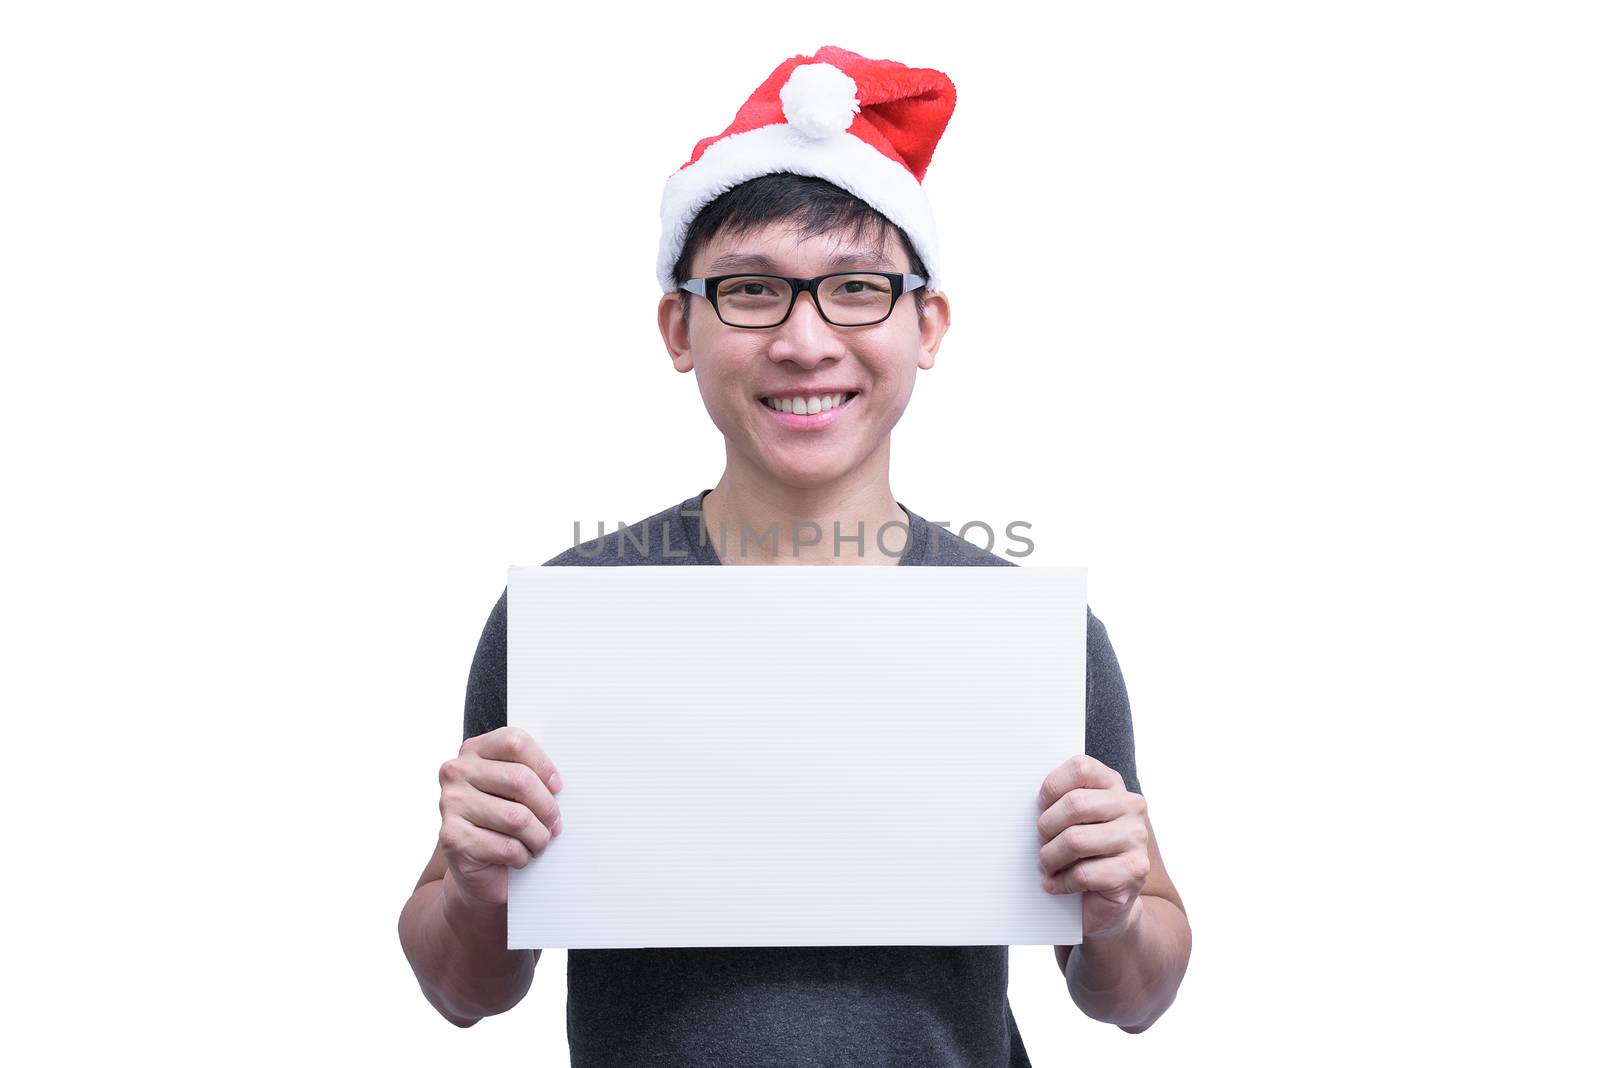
[(1106, 875), (1084, 840), (511, 818), (517, 745), (1085, 805), (1077, 771), (1121, 876), (504, 794), (514, 782), (463, 841)]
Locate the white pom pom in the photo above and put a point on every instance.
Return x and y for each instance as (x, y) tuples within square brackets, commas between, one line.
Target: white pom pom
[(819, 100)]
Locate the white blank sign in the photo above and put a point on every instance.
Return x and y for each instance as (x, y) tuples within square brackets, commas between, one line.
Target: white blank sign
[(795, 755)]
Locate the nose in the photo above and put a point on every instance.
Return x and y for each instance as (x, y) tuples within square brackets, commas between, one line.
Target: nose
[(805, 337)]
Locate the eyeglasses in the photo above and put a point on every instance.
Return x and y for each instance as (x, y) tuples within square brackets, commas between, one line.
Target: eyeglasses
[(762, 301)]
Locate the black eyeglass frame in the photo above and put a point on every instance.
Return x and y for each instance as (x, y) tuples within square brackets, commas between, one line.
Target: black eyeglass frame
[(899, 284)]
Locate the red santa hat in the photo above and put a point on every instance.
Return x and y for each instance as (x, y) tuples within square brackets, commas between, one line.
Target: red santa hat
[(868, 126)]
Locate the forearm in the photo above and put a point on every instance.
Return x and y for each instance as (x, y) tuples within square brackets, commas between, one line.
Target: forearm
[(458, 952), (1130, 979)]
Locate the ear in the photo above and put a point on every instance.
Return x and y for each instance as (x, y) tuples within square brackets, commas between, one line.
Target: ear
[(675, 331), (935, 321)]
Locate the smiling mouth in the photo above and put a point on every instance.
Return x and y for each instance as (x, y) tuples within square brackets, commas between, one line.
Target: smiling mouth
[(812, 405)]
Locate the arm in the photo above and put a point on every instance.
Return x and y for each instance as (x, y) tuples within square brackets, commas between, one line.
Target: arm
[(1099, 842), (497, 811), (1130, 978), (457, 948)]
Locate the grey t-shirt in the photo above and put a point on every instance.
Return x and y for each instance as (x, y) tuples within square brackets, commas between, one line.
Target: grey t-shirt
[(748, 1006)]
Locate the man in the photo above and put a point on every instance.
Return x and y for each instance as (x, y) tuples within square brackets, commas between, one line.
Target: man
[(800, 277)]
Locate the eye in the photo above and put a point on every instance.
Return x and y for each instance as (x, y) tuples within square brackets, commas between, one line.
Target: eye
[(750, 287), (859, 286)]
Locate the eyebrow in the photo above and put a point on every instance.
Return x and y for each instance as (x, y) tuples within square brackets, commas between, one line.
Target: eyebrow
[(755, 261)]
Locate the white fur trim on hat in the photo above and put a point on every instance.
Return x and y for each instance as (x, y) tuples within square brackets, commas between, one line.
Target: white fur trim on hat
[(847, 162)]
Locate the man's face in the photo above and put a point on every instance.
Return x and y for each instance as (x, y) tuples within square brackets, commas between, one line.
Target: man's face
[(737, 369)]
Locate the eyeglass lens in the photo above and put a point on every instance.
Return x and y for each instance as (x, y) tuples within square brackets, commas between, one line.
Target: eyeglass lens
[(846, 299)]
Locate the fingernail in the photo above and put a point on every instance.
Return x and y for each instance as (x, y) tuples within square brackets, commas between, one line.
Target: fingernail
[(555, 782), (555, 828)]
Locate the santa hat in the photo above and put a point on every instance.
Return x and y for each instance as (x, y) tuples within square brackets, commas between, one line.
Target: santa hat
[(868, 126)]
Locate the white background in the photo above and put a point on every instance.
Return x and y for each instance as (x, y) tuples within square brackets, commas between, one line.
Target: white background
[(1280, 318)]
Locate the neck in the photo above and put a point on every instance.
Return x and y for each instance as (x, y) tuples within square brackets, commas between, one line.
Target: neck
[(784, 524)]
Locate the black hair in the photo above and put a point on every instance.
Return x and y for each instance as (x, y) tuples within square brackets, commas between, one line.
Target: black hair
[(814, 205)]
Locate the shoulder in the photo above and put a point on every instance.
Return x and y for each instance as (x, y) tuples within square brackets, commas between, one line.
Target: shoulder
[(1108, 724), (1102, 656), (936, 545), (486, 679), (1097, 632), (656, 539)]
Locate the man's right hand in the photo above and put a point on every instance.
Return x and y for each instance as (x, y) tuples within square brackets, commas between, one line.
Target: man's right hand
[(497, 810)]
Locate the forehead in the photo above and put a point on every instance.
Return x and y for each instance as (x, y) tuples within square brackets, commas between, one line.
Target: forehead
[(782, 248)]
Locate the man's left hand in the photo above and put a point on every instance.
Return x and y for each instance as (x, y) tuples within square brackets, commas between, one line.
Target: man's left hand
[(1095, 843)]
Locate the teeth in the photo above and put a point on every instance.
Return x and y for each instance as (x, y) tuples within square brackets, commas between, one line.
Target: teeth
[(806, 405)]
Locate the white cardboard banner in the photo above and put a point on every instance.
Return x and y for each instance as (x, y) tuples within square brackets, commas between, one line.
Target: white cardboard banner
[(795, 755)]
